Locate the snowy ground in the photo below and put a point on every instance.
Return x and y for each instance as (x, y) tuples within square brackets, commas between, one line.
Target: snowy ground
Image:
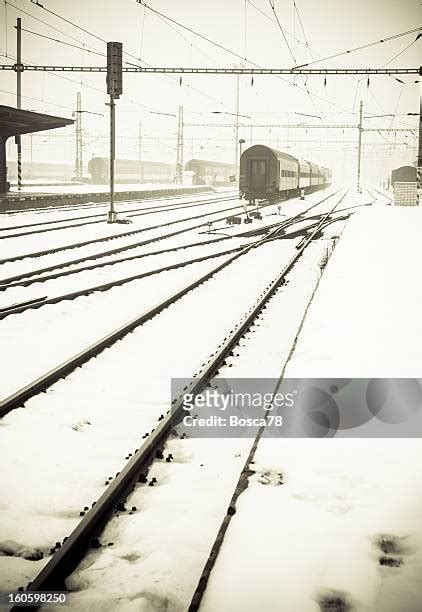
[(66, 328), (87, 438), (313, 543), (33, 243), (159, 550), (346, 504)]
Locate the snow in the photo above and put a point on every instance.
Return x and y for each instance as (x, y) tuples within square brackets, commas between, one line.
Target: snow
[(319, 536), (159, 551), (319, 518), (371, 297), (82, 431), (319, 533), (147, 224), (19, 267)]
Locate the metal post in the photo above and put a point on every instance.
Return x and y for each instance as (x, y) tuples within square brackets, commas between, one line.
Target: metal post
[(140, 141), (78, 138), (114, 89), (359, 188), (30, 155), (19, 94), (236, 132), (112, 216), (140, 151), (419, 166), (241, 142), (179, 158)]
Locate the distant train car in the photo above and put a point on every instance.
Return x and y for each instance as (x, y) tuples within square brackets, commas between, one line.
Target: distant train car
[(404, 174), (210, 172), (41, 170), (129, 171), (268, 174)]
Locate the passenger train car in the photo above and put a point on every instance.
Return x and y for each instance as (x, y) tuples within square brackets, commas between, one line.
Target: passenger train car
[(130, 171), (41, 170), (210, 172), (404, 174), (268, 174)]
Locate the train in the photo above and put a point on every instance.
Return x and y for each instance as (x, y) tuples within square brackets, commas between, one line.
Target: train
[(126, 171), (404, 174), (268, 174), (41, 170), (130, 171), (210, 172)]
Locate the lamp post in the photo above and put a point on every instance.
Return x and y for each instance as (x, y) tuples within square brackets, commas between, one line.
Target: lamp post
[(236, 139), (241, 142)]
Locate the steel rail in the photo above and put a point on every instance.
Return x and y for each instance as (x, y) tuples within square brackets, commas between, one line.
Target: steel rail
[(42, 383), (66, 558), (96, 205), (44, 301), (78, 245), (128, 214), (22, 280), (25, 279)]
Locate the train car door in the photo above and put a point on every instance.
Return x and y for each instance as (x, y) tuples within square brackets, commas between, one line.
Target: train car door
[(258, 170)]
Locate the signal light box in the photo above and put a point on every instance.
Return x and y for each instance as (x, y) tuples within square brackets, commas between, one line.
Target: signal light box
[(114, 69)]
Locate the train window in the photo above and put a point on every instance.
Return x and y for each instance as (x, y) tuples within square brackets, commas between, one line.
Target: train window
[(258, 166)]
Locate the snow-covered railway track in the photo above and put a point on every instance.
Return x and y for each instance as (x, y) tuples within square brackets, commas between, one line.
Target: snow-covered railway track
[(43, 382), (24, 279), (77, 245), (35, 302), (68, 554), (44, 301), (99, 218)]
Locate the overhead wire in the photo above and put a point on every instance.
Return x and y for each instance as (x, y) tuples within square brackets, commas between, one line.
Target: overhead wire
[(366, 46)]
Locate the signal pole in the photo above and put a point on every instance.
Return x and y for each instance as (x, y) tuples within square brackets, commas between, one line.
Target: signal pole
[(78, 138), (140, 141), (360, 128), (178, 178), (419, 162), (236, 132), (19, 93), (114, 89)]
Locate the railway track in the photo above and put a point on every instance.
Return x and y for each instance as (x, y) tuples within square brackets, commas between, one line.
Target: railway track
[(5, 282), (17, 399), (73, 548), (99, 218), (41, 301), (127, 234)]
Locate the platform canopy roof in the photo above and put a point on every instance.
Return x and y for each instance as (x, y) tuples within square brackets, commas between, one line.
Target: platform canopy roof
[(14, 121)]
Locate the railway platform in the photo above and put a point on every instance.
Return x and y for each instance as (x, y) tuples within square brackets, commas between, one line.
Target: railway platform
[(27, 200)]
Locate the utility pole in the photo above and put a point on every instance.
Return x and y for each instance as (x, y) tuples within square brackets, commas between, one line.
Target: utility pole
[(178, 178), (360, 128), (19, 93), (78, 138), (236, 132), (419, 166), (30, 155), (140, 141), (114, 89), (140, 151)]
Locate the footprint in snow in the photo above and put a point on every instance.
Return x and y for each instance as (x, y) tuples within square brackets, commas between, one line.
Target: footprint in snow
[(80, 425), (10, 548), (334, 601), (270, 477), (393, 549)]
